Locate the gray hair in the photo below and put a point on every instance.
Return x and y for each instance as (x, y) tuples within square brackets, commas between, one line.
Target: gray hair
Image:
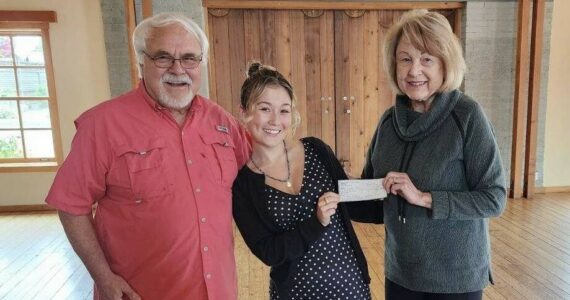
[(141, 32)]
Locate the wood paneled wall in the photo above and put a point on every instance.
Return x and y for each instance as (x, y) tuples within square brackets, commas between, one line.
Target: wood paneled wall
[(332, 58)]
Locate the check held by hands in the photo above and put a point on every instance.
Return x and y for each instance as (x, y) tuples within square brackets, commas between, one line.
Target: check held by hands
[(361, 190)]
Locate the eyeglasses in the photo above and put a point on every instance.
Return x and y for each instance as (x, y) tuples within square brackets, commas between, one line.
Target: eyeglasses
[(167, 61)]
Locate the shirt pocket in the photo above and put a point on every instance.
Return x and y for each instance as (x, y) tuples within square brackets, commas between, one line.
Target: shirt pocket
[(146, 168), (221, 157)]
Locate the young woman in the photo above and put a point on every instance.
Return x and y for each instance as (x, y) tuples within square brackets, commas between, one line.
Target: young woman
[(285, 202)]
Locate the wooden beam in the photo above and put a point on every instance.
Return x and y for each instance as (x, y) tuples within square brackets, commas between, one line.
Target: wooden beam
[(533, 97), (130, 21), (519, 101), (458, 14), (146, 8), (48, 16), (328, 5)]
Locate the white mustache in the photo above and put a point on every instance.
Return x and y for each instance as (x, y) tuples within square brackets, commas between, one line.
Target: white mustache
[(176, 79)]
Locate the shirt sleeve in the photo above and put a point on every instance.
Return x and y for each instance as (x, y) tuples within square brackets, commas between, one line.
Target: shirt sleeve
[(271, 247), (484, 174), (80, 181), (242, 142)]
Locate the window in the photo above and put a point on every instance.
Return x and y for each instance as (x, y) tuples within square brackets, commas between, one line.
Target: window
[(29, 130)]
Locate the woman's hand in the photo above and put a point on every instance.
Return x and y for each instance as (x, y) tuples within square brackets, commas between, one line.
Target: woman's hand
[(326, 207), (400, 184)]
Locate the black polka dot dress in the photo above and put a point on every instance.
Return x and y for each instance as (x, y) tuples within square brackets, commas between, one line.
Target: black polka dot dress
[(329, 269)]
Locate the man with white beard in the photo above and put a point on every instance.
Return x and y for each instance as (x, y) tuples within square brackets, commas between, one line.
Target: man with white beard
[(159, 162)]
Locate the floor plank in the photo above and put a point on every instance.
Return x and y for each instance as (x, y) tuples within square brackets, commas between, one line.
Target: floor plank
[(530, 250)]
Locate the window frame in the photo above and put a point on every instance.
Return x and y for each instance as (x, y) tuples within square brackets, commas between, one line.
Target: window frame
[(34, 23)]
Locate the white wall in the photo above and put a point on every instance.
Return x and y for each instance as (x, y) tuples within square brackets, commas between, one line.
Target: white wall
[(557, 137), (80, 67)]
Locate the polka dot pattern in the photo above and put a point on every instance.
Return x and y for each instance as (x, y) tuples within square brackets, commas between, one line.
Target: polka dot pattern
[(329, 269)]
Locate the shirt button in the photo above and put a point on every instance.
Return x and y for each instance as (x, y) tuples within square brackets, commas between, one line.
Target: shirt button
[(208, 276), (198, 190), (203, 220), (189, 161), (205, 248)]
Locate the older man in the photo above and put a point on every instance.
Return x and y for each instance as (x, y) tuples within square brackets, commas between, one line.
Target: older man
[(159, 161)]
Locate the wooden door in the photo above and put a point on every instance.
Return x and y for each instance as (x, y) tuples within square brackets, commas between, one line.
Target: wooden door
[(298, 44), (333, 59)]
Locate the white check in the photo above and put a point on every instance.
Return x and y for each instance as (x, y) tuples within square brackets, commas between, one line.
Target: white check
[(361, 189)]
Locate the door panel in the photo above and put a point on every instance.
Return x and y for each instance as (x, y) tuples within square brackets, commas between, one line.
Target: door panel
[(361, 81), (319, 64)]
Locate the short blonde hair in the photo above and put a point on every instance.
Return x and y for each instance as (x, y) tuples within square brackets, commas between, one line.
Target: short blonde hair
[(430, 33), (259, 77)]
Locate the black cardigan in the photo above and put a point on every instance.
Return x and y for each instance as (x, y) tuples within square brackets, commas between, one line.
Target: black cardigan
[(280, 249)]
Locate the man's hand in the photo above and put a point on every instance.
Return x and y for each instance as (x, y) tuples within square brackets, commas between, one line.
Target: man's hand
[(81, 234), (114, 287)]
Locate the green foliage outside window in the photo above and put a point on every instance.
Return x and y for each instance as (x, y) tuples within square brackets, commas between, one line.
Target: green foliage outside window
[(9, 148)]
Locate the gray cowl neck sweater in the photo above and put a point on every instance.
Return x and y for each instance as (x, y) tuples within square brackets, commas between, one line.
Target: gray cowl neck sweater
[(449, 151), (424, 125)]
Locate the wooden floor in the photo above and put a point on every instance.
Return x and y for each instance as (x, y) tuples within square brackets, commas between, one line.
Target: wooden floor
[(530, 243)]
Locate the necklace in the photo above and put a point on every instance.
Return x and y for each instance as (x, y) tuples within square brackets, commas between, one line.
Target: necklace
[(286, 180)]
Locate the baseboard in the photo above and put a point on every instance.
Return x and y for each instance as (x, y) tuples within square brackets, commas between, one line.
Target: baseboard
[(552, 189), (26, 208)]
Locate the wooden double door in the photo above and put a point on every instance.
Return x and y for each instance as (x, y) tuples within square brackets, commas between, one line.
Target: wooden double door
[(333, 59)]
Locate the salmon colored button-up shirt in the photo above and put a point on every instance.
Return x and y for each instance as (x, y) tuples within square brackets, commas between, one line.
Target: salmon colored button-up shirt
[(163, 193)]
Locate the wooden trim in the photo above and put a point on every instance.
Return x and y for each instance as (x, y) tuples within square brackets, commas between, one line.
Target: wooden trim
[(533, 97), (53, 107), (146, 8), (457, 26), (48, 16), (130, 21), (210, 59), (26, 208), (519, 99), (329, 5), (552, 189), (29, 169), (27, 160)]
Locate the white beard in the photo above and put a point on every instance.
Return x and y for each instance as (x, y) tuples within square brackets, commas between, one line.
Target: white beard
[(167, 100), (174, 103)]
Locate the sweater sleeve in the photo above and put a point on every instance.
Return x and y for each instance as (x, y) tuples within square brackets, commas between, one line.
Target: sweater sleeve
[(484, 174), (271, 246)]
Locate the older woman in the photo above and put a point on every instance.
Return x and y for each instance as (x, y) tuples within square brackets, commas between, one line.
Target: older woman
[(440, 162)]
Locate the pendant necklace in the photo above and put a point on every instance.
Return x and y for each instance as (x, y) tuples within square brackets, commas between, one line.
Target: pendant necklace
[(286, 180)]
